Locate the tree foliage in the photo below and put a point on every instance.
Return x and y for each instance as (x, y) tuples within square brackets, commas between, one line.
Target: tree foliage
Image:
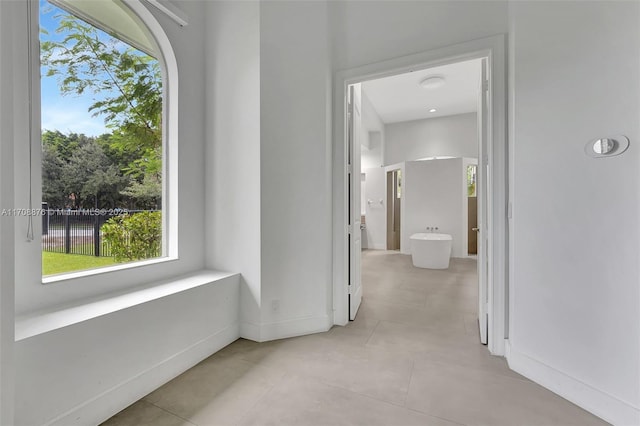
[(54, 191), (86, 172), (146, 193), (90, 175), (126, 88)]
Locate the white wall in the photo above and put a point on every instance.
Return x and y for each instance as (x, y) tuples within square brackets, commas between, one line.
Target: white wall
[(432, 198), (575, 298), (453, 136), (376, 211), (233, 152), (295, 169), (365, 32), (372, 135), (374, 237)]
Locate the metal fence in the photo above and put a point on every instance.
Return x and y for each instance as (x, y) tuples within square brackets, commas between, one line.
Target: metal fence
[(77, 231)]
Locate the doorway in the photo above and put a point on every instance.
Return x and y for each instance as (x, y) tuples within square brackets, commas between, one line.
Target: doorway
[(394, 195), (492, 298), (426, 154)]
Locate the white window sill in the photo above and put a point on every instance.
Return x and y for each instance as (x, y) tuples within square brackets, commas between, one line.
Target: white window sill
[(104, 270), (40, 322)]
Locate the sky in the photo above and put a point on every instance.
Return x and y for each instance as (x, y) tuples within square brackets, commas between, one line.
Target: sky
[(68, 113)]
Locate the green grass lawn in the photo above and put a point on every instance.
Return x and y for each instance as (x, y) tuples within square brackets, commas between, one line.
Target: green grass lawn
[(58, 263)]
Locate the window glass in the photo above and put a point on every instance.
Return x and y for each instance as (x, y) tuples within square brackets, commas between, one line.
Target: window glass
[(101, 134)]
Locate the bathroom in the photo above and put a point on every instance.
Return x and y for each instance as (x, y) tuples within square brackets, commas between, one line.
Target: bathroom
[(419, 155)]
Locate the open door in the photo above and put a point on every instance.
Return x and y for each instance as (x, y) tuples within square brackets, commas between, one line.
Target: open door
[(483, 186), (354, 123)]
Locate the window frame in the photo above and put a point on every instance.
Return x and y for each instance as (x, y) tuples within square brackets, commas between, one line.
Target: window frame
[(169, 206)]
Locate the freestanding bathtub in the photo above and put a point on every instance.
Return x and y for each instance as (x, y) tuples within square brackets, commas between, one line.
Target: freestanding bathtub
[(430, 250)]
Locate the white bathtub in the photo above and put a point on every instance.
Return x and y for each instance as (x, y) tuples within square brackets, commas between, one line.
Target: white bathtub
[(429, 250)]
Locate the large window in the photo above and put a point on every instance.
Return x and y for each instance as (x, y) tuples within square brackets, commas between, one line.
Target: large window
[(102, 109)]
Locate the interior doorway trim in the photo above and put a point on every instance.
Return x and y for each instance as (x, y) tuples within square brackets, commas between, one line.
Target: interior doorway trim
[(494, 49)]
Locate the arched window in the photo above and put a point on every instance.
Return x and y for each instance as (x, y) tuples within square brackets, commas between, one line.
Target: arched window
[(106, 136)]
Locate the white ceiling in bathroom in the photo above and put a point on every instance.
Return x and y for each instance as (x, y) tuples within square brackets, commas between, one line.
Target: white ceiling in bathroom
[(401, 98)]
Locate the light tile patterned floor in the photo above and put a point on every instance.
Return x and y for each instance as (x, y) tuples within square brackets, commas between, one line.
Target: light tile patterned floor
[(412, 357)]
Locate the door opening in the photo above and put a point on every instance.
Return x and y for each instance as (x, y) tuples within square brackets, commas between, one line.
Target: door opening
[(437, 201), (394, 195)]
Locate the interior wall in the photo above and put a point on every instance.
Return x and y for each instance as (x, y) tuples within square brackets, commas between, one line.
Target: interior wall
[(233, 149), (365, 32), (575, 319), (295, 169), (432, 198), (373, 131), (376, 209), (453, 135)]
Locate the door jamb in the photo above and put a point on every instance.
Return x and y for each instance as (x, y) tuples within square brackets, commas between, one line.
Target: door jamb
[(493, 48)]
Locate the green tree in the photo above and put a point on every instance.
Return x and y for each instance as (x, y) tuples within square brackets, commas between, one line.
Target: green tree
[(92, 179), (53, 186), (63, 145), (147, 194), (127, 86)]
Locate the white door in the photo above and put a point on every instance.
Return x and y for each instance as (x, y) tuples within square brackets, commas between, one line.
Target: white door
[(355, 243), (483, 204)]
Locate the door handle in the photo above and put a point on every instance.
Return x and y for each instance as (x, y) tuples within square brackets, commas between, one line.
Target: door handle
[(475, 229)]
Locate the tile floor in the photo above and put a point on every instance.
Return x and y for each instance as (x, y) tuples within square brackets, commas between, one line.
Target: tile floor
[(412, 357)]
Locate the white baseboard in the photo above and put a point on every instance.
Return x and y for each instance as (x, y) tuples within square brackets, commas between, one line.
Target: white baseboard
[(99, 408), (285, 329), (295, 327), (601, 404), (250, 331)]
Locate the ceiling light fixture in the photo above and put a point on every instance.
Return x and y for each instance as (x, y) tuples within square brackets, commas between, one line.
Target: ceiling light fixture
[(432, 82), (432, 110)]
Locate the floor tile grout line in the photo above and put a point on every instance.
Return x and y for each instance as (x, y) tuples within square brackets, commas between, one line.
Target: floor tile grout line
[(455, 422), (169, 411), (372, 332), (260, 398), (413, 368), (373, 398), (422, 413), (406, 394), (317, 379)]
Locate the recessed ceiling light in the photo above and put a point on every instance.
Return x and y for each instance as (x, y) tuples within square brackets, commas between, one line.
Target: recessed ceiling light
[(432, 82), (432, 110)]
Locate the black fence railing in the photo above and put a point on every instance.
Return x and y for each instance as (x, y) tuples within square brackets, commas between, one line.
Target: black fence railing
[(77, 231)]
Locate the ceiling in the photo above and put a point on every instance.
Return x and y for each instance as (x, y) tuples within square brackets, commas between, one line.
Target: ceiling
[(401, 98)]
